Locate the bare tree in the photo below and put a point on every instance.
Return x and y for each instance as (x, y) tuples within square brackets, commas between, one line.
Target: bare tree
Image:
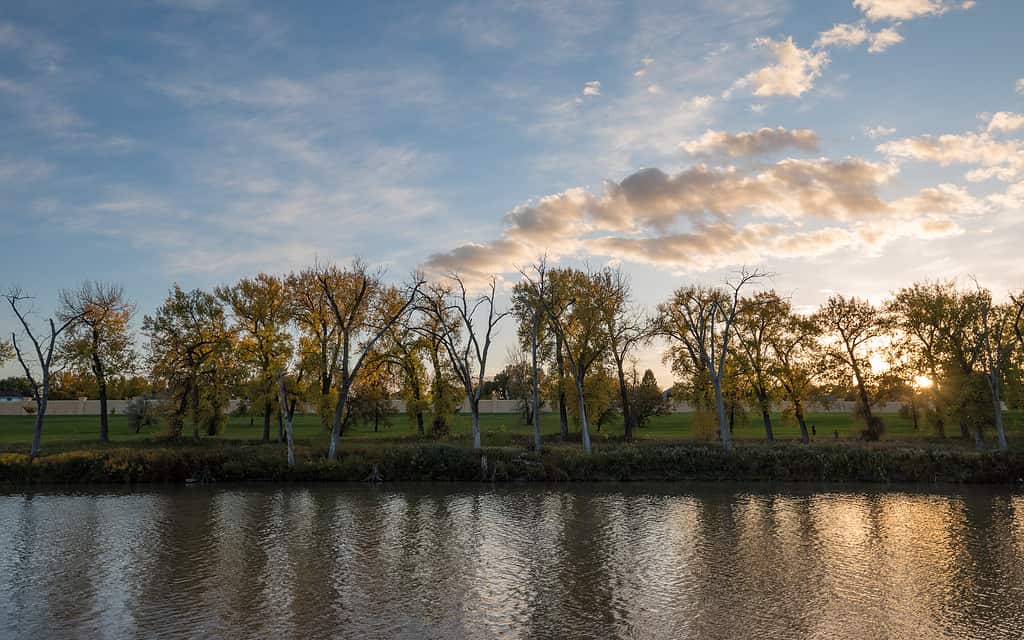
[(362, 318), (100, 341), (530, 304), (43, 349), (625, 329), (998, 331), (701, 319), (465, 338)]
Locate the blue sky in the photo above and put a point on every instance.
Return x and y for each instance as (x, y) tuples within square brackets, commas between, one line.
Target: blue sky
[(197, 141)]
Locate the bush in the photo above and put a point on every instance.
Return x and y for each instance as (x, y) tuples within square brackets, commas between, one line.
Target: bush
[(140, 414), (177, 462)]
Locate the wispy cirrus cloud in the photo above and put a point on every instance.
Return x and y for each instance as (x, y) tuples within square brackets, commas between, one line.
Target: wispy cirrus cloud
[(18, 171)]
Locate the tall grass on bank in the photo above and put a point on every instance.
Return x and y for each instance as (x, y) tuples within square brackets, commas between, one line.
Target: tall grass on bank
[(431, 462)]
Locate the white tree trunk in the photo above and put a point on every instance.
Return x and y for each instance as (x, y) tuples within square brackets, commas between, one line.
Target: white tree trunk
[(474, 414), (998, 406), (584, 426), (723, 423), (37, 433)]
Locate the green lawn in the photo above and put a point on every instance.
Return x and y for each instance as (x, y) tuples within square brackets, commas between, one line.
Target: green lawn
[(61, 432)]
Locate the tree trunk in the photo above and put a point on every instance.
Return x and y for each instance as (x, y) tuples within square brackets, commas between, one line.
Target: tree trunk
[(104, 417), (195, 411), (998, 406), (268, 410), (872, 432), (563, 414), (798, 409), (474, 410), (332, 452), (584, 427), (627, 415), (325, 392), (536, 384), (280, 425), (37, 432), (101, 383), (766, 416), (288, 423), (723, 423), (416, 394)]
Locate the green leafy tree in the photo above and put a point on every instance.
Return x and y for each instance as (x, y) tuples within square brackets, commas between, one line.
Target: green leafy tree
[(646, 399), (796, 363), (190, 352), (580, 324), (261, 312), (760, 318), (363, 309), (852, 330), (100, 341), (701, 321)]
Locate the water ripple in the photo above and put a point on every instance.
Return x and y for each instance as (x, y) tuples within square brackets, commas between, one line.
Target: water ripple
[(636, 561)]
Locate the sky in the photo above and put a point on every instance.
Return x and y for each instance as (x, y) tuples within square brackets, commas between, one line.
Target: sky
[(842, 145)]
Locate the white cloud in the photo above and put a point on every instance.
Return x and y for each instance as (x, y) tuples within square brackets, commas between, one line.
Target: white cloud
[(853, 35), (906, 9), (647, 61), (749, 143), (1006, 158), (882, 40), (1005, 121), (756, 107), (1020, 86), (843, 35), (878, 131), (655, 89), (592, 88), (793, 73), (729, 215)]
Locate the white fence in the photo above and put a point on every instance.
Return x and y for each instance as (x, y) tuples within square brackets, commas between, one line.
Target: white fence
[(92, 407)]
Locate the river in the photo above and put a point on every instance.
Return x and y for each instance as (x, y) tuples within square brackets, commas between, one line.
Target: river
[(453, 561)]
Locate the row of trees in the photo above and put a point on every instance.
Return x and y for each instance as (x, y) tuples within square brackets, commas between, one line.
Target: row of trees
[(341, 339)]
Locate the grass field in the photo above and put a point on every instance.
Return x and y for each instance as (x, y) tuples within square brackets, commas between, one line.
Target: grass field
[(65, 432)]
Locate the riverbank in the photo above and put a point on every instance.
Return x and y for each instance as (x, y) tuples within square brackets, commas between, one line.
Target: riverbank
[(181, 463)]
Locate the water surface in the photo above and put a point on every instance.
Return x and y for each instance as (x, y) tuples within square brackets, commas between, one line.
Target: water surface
[(451, 561)]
